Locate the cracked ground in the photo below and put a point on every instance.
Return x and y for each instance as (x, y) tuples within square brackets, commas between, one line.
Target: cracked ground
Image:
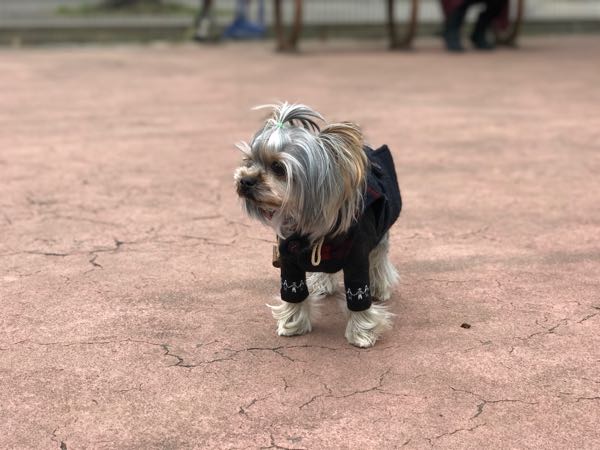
[(133, 288)]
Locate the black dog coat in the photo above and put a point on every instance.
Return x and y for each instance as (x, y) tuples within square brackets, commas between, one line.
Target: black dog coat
[(348, 252)]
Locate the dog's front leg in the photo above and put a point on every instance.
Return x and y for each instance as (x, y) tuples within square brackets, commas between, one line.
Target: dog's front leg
[(366, 321), (293, 313), (293, 319)]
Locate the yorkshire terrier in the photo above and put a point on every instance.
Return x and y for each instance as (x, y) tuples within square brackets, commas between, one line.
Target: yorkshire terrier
[(331, 200)]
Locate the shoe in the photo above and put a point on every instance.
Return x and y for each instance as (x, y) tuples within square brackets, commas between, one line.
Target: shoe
[(202, 33), (451, 33), (452, 41), (479, 35), (480, 42), (241, 28)]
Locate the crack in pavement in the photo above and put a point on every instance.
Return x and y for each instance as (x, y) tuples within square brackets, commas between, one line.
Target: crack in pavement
[(329, 394), (92, 254), (546, 331), (588, 317), (473, 232), (205, 344), (119, 243), (36, 202), (453, 432), (233, 353), (464, 350), (553, 328), (167, 351), (54, 438), (93, 262), (209, 217), (165, 347), (85, 219), (484, 402), (57, 215), (278, 350), (208, 240), (117, 246), (179, 362), (73, 343), (435, 280), (7, 219), (313, 398), (38, 252), (580, 399), (278, 447), (138, 388), (243, 411)]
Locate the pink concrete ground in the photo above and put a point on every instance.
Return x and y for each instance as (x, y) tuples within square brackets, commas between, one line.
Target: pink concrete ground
[(133, 289)]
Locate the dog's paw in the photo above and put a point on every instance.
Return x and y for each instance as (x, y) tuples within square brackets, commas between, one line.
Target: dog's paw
[(365, 327), (293, 319)]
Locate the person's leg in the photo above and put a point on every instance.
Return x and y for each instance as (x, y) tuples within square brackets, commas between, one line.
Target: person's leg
[(203, 21), (479, 36), (454, 23)]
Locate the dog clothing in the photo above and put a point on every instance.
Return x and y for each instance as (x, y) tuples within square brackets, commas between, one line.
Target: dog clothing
[(348, 252)]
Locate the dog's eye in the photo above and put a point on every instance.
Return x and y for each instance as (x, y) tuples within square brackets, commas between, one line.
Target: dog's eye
[(278, 169)]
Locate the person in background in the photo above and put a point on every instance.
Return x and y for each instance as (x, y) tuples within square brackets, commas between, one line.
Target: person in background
[(479, 37), (241, 27), (204, 21)]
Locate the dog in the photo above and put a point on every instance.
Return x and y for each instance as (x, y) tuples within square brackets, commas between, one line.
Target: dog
[(331, 200)]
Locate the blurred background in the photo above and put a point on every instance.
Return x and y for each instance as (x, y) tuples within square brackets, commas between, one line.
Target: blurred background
[(50, 21)]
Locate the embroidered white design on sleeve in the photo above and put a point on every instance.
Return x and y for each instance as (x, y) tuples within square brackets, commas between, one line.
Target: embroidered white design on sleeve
[(293, 286), (359, 294)]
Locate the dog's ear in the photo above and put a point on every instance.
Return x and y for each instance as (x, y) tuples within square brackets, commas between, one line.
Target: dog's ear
[(347, 133), (344, 141)]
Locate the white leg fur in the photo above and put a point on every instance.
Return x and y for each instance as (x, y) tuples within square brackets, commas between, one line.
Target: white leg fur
[(382, 273), (294, 318), (320, 283), (365, 327)]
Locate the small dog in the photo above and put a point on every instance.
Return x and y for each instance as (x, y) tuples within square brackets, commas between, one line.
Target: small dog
[(331, 201)]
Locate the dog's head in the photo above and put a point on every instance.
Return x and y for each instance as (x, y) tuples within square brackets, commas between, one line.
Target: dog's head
[(299, 177)]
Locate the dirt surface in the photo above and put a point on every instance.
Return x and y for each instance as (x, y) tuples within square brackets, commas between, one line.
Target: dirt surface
[(133, 289)]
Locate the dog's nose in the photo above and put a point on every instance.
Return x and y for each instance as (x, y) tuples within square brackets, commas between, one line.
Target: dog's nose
[(248, 182)]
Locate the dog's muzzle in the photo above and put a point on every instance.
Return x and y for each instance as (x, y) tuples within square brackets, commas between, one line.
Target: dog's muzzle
[(246, 186)]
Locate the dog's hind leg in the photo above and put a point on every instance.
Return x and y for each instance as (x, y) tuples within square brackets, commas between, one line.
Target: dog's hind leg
[(382, 273), (321, 283)]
